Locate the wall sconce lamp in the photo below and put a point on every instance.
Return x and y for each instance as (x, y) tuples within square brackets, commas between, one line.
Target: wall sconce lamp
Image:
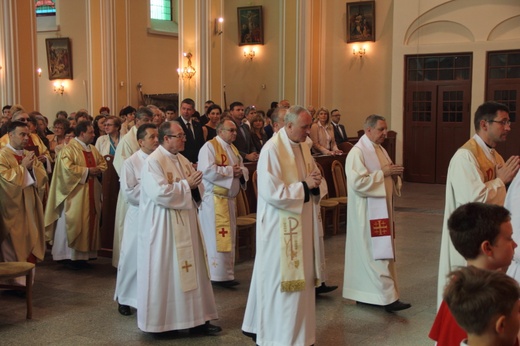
[(39, 71), (59, 88), (356, 51), (249, 53), (218, 26), (189, 71)]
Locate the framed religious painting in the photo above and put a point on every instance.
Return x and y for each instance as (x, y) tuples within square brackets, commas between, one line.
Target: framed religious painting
[(250, 25), (59, 58), (361, 21)]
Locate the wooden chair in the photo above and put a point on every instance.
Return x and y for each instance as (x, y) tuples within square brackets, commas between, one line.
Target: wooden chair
[(360, 133), (11, 270), (327, 206), (246, 227), (243, 205), (340, 186), (345, 147)]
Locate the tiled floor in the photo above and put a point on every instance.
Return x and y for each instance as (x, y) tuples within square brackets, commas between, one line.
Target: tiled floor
[(76, 307)]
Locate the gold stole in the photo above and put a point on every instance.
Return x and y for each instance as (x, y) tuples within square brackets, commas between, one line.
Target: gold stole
[(291, 230), (487, 167), (220, 200), (182, 228)]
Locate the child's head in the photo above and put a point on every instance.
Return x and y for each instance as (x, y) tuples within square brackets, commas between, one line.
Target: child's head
[(483, 229), (485, 302)]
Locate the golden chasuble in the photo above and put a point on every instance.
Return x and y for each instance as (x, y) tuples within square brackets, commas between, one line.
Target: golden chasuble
[(291, 230), (220, 200), (22, 216), (67, 192), (487, 167)]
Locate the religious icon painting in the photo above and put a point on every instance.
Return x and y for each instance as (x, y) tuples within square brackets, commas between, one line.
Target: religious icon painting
[(250, 25), (361, 21)]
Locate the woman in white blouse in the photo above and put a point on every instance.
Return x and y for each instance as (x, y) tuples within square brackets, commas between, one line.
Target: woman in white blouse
[(107, 144), (322, 134)]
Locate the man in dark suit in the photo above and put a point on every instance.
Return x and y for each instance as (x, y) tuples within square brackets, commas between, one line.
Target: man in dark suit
[(340, 135), (192, 129), (243, 142)]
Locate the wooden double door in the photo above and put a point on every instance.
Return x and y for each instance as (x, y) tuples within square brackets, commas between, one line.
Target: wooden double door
[(437, 122)]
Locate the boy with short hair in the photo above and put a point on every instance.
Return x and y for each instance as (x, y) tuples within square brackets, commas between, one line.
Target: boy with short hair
[(485, 303), (482, 234)]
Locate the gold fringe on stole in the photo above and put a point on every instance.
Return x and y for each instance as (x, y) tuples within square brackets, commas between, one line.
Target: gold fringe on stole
[(293, 286)]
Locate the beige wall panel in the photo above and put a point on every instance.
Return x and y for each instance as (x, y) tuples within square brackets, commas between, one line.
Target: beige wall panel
[(245, 80), (153, 58)]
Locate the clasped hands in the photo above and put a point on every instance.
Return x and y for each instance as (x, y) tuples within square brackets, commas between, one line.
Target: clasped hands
[(94, 171), (194, 179), (237, 171), (28, 160), (392, 170), (313, 180), (508, 170)]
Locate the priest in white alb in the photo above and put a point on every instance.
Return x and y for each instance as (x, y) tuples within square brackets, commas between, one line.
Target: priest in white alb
[(174, 290), (477, 173), (372, 180), (281, 303), (224, 175), (126, 283), (126, 148)]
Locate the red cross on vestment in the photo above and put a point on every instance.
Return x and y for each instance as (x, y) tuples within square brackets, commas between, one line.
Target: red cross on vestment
[(379, 227), (223, 232)]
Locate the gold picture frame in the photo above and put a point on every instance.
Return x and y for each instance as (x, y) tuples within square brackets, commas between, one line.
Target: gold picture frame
[(361, 21), (250, 25), (59, 58)]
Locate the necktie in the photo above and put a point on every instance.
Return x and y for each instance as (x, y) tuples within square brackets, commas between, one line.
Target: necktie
[(340, 132), (190, 130)]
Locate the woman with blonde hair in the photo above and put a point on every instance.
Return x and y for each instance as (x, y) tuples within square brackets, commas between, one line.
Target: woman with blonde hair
[(322, 134), (258, 134), (107, 143)]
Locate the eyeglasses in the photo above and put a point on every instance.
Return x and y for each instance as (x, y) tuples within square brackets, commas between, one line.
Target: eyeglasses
[(23, 119), (502, 122), (106, 124), (180, 135), (230, 130)]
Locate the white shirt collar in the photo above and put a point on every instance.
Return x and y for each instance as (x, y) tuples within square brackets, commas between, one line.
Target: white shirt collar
[(17, 152), (86, 147), (487, 150)]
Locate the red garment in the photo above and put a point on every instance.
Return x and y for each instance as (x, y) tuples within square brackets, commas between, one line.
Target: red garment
[(445, 329), (91, 162)]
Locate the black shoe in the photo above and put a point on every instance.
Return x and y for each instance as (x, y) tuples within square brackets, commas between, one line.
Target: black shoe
[(325, 289), (206, 329), (73, 265), (251, 335), (397, 306), (124, 309), (226, 284)]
